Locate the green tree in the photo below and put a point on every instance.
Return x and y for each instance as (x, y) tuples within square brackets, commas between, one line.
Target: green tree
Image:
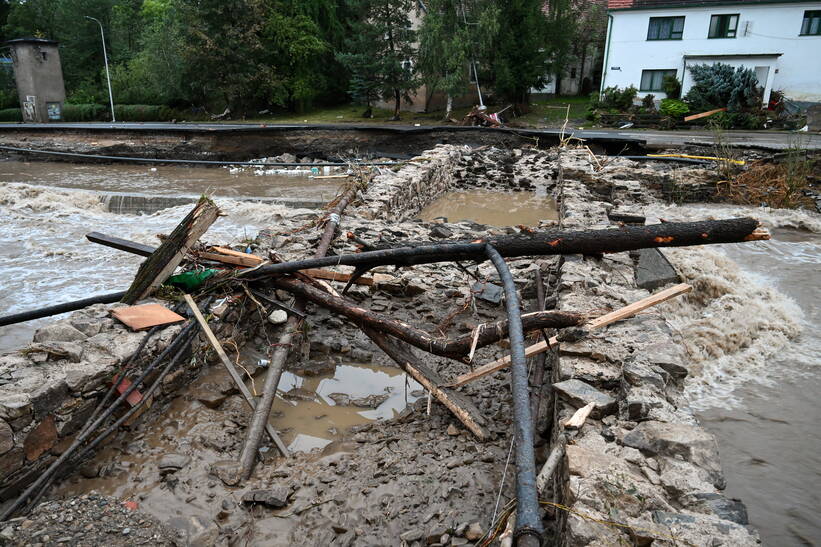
[(454, 35), (720, 85), (380, 53)]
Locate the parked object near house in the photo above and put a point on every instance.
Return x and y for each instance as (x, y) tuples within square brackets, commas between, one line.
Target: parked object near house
[(39, 77), (650, 39)]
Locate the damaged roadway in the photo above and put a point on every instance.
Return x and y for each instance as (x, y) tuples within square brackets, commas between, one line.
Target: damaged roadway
[(423, 479)]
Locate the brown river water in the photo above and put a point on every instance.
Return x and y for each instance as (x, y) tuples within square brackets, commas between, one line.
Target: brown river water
[(755, 349)]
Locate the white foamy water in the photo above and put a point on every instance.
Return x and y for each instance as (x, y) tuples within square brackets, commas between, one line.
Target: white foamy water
[(45, 258), (736, 321)]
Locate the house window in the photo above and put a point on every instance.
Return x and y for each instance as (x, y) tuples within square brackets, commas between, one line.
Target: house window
[(651, 80), (812, 24), (723, 26), (665, 28)]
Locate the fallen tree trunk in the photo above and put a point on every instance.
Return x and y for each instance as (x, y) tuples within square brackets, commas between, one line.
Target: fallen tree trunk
[(457, 348), (552, 242), (283, 348)]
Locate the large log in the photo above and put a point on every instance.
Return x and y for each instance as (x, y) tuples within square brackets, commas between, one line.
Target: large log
[(552, 242), (458, 348), (164, 260)]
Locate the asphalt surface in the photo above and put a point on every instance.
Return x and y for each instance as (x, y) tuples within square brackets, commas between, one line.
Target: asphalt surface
[(758, 139)]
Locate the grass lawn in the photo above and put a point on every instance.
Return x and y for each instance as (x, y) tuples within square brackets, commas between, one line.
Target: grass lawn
[(544, 113)]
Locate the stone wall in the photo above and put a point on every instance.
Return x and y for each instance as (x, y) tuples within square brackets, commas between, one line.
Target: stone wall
[(49, 389), (402, 194), (642, 459)]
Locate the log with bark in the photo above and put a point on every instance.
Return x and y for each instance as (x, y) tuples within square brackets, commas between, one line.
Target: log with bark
[(551, 242), (458, 348)]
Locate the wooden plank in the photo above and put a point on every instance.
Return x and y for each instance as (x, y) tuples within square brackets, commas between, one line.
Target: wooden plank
[(459, 404), (604, 320), (579, 417), (228, 259), (240, 254), (704, 114), (145, 316), (331, 275), (233, 371), (165, 259), (120, 244)]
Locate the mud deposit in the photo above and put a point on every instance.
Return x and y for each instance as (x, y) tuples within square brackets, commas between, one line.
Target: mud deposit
[(492, 208)]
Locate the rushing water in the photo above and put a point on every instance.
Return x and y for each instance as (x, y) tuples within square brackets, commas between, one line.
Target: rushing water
[(754, 343)]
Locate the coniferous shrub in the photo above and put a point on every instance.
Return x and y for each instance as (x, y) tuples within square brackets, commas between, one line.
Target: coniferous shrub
[(720, 85), (671, 86)]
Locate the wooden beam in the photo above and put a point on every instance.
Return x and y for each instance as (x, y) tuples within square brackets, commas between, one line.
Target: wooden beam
[(704, 114), (120, 244), (459, 404), (233, 371), (165, 259), (617, 315)]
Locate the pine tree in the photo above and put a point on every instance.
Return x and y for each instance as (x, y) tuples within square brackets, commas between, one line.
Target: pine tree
[(454, 36), (380, 53), (720, 85)]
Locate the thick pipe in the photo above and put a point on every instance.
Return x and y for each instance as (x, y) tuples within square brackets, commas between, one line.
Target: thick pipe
[(60, 308), (528, 521)]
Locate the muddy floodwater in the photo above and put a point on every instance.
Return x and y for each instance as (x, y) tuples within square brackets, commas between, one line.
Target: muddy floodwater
[(492, 208), (770, 442), (169, 180)]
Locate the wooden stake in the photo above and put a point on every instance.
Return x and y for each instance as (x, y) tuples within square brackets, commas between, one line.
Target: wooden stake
[(577, 420), (621, 313), (233, 371), (457, 403), (165, 259)]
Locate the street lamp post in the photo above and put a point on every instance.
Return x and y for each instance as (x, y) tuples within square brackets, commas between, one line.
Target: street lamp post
[(105, 58)]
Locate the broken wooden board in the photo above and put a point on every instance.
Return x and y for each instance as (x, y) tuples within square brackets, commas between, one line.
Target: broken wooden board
[(224, 254), (459, 404), (617, 315), (146, 316), (330, 275), (232, 370), (165, 259), (704, 114)]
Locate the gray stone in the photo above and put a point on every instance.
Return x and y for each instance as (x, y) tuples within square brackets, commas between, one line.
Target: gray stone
[(413, 534), (371, 401), (299, 394), (226, 471), (277, 317), (340, 399), (692, 443), (275, 497), (440, 232), (579, 394), (726, 508), (487, 292), (171, 463), (87, 325), (653, 270), (668, 357), (58, 332), (474, 531), (6, 437)]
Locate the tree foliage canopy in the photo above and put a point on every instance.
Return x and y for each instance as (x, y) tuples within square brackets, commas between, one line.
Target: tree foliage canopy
[(250, 55)]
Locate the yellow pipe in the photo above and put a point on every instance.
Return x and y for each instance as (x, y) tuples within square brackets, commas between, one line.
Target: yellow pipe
[(737, 162)]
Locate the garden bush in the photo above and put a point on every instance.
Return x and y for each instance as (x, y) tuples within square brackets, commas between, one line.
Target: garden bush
[(673, 108), (720, 85), (671, 86), (11, 115)]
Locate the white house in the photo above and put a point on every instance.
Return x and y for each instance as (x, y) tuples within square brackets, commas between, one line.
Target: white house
[(781, 41)]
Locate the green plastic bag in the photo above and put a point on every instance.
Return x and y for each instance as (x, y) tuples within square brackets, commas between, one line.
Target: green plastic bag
[(190, 281)]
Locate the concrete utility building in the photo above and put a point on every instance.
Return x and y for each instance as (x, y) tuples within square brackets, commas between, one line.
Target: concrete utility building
[(780, 41), (39, 77)]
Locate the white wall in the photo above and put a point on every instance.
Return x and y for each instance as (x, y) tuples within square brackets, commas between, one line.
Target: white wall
[(763, 30)]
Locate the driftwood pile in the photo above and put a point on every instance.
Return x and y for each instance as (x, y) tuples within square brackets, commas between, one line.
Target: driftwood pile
[(257, 278)]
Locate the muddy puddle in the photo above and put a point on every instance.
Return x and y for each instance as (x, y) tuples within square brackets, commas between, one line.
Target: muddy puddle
[(169, 180), (492, 208), (311, 413)]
